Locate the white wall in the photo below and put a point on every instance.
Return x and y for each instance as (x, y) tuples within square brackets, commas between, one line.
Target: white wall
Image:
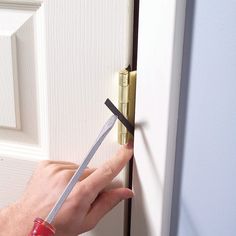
[(205, 194)]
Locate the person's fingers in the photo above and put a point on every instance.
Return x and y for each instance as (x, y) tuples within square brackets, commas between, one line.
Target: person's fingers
[(61, 170), (98, 180), (54, 167), (104, 203), (115, 183), (69, 173), (87, 172)]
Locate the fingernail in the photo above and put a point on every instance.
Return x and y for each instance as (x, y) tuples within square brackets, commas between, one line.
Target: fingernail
[(129, 145), (132, 195)]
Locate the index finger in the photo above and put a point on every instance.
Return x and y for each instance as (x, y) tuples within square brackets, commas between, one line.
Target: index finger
[(100, 178)]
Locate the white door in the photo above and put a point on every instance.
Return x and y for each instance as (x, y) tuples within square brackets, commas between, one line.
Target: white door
[(160, 41), (58, 63)]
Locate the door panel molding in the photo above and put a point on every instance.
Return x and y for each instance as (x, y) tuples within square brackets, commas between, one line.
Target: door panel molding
[(26, 27), (9, 100), (21, 4)]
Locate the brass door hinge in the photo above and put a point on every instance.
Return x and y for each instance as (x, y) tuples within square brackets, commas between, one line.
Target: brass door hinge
[(126, 103)]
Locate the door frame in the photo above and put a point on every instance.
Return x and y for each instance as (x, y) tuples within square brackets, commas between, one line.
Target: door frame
[(160, 49)]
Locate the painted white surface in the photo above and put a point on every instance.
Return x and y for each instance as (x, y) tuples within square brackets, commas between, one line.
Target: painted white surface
[(10, 27), (75, 50), (9, 101), (14, 174), (206, 148), (12, 19), (21, 4), (161, 25), (27, 26)]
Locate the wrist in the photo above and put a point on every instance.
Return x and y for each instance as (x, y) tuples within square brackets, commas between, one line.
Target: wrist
[(14, 220)]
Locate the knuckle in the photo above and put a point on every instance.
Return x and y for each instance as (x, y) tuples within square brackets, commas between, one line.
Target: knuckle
[(82, 198), (108, 169), (84, 190), (44, 163), (63, 175), (76, 205), (108, 201), (53, 169)]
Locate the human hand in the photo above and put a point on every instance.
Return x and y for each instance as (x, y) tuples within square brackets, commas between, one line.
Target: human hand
[(85, 206)]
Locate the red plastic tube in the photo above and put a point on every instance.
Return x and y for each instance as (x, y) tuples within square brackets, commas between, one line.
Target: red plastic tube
[(42, 228)]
